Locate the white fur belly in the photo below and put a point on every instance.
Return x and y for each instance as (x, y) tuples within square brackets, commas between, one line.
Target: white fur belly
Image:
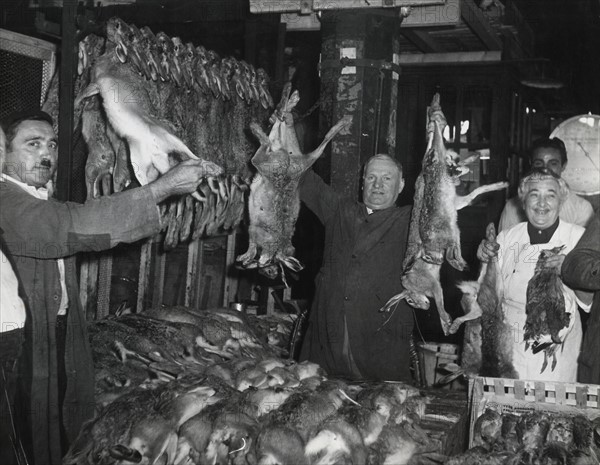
[(448, 193)]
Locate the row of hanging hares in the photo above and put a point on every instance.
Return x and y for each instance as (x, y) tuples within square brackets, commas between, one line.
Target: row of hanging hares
[(134, 125)]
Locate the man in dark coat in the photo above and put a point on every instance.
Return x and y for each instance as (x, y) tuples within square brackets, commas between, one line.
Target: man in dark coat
[(362, 265), (43, 236), (581, 271)]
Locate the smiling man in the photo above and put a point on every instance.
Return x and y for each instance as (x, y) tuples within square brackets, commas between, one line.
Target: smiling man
[(550, 154), (382, 182), (365, 244)]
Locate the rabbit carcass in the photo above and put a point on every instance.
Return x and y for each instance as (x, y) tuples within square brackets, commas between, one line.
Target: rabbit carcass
[(434, 232), (274, 200)]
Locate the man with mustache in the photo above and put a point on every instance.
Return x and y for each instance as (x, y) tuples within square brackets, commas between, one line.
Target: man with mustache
[(365, 243), (43, 235)]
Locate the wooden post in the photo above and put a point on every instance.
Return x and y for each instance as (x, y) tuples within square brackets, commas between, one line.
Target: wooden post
[(144, 274), (88, 286), (231, 274), (367, 91), (197, 285), (104, 284), (280, 55), (194, 264), (250, 32), (65, 119)]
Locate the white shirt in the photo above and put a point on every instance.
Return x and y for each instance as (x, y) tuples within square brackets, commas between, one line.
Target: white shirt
[(42, 193), (517, 259), (12, 308)]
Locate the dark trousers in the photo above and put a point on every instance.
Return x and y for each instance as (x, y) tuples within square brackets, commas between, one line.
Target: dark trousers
[(61, 337), (24, 402), (10, 350)]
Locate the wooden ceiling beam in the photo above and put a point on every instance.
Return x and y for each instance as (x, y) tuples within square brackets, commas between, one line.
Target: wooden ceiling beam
[(422, 40), (475, 19)]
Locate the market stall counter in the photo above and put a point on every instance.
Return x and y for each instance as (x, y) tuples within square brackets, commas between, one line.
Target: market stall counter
[(175, 385)]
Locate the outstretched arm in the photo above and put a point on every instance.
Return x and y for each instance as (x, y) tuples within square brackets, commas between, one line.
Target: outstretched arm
[(48, 229), (321, 198)]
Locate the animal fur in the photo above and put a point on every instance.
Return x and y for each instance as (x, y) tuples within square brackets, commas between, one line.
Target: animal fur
[(280, 445), (433, 232), (153, 148), (471, 356), (101, 155), (337, 441), (482, 303), (274, 200)]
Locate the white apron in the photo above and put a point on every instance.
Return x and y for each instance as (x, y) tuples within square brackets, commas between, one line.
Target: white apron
[(517, 260)]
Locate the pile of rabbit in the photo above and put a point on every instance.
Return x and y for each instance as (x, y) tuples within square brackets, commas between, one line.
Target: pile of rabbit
[(175, 386)]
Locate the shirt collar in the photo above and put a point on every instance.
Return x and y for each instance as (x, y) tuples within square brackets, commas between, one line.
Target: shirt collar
[(370, 211), (541, 236), (40, 193)]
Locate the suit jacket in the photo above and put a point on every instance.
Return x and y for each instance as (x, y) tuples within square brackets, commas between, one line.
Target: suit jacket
[(361, 270), (37, 232), (581, 270)]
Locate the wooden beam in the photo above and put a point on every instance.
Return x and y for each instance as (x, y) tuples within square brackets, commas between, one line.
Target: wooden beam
[(475, 19), (447, 14), (454, 58), (422, 40), (285, 6)]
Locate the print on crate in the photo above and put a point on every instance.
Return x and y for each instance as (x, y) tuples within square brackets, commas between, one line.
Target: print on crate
[(434, 234)]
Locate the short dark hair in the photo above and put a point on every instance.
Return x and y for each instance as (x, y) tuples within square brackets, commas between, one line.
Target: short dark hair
[(546, 143), (11, 123)]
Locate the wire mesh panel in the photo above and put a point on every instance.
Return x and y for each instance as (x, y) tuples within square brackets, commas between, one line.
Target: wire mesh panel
[(26, 67)]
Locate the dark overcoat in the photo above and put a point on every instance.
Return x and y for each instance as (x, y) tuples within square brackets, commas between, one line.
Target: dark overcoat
[(361, 270), (581, 270), (37, 232)]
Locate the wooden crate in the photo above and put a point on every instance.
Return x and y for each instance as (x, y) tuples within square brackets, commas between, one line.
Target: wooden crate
[(446, 420), (433, 354), (522, 396)]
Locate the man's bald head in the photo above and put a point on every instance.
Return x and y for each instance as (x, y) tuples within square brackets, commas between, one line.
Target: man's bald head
[(385, 157), (382, 182)]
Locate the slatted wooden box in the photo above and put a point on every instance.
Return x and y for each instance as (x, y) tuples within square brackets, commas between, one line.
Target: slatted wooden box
[(521, 396)]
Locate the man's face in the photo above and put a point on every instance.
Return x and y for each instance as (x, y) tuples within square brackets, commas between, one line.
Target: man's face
[(381, 184), (542, 203), (32, 155), (547, 158)]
